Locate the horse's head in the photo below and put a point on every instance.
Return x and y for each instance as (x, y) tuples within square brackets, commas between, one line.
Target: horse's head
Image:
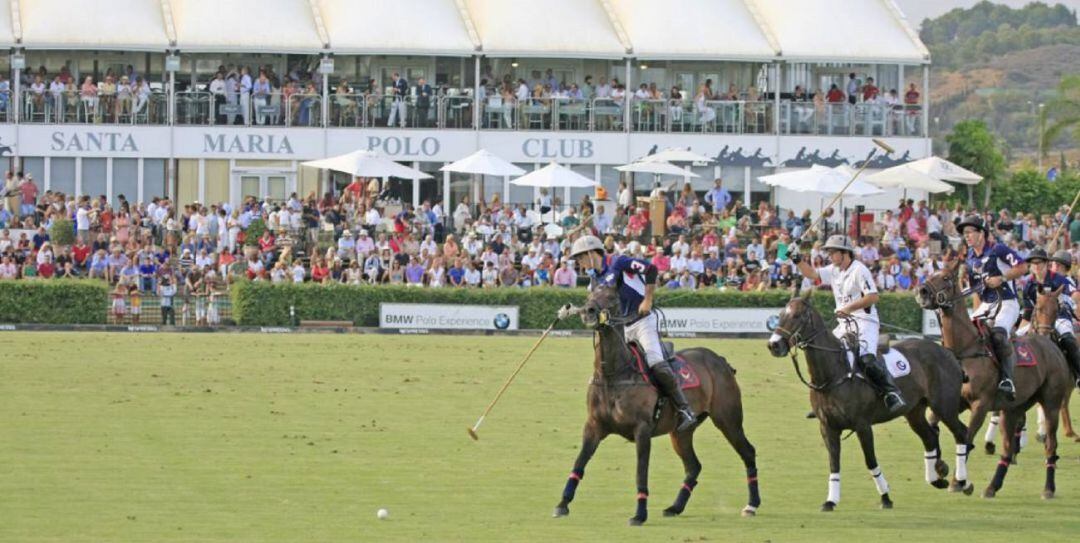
[(1046, 310), (799, 323), (603, 302), (941, 290)]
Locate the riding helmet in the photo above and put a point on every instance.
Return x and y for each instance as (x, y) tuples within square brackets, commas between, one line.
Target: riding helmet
[(585, 244), (1037, 254), (1062, 257), (974, 221), (840, 243)]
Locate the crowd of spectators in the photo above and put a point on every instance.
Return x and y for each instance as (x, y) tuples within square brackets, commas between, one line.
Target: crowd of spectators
[(711, 241)]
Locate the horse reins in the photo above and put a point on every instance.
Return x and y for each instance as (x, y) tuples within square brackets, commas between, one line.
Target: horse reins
[(796, 343)]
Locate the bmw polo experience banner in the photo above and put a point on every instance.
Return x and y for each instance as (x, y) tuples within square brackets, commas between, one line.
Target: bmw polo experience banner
[(448, 317)]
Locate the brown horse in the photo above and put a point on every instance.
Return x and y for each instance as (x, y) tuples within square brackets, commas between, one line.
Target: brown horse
[(621, 402), (1046, 383), (842, 399), (1044, 317)]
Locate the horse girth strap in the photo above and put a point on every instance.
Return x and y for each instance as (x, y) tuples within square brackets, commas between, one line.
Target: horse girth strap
[(810, 384)]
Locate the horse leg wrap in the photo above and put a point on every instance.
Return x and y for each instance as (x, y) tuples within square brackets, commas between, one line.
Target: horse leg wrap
[(834, 488), (879, 480), (642, 504), (752, 484), (1021, 439), (930, 459), (991, 429), (961, 463), (571, 485), (999, 474), (1051, 469), (684, 494)]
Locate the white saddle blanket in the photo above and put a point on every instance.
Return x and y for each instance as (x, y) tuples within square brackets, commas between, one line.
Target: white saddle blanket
[(894, 360)]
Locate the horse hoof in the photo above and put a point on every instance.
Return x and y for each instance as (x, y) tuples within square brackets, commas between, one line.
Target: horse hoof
[(828, 507), (940, 484), (634, 521), (1048, 494), (969, 489), (956, 486), (886, 503), (942, 469), (1041, 438), (672, 512), (1070, 434), (989, 493), (749, 511), (990, 447), (561, 511)]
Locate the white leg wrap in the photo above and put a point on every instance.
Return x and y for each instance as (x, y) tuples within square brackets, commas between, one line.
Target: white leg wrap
[(834, 487), (879, 480), (1023, 438), (930, 459), (1042, 421), (961, 463), (991, 429)]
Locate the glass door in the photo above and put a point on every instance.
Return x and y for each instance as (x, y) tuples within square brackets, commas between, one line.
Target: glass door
[(274, 187)]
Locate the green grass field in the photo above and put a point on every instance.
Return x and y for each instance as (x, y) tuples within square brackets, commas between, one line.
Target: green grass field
[(244, 437)]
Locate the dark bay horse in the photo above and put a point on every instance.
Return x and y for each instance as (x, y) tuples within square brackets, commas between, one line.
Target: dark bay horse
[(843, 400), (622, 403), (1043, 319), (1046, 383)]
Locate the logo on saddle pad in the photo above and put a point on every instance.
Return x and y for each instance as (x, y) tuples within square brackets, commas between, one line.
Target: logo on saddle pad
[(894, 360), (1025, 357), (684, 372)]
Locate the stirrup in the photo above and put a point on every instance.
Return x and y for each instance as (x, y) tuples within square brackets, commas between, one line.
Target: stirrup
[(687, 419), (1007, 387), (894, 402)]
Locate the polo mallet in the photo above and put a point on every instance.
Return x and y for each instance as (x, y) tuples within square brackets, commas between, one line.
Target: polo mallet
[(479, 421), (1054, 240), (884, 146)]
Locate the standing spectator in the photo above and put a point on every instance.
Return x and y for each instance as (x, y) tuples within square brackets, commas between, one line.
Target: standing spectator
[(397, 107), (870, 91), (424, 96), (718, 197), (852, 89), (29, 193), (244, 87), (911, 107), (261, 92)]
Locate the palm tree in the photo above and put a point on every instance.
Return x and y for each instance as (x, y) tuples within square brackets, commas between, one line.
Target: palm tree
[(1064, 111)]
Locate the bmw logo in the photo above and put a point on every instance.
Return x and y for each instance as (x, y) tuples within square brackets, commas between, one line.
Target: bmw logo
[(502, 321), (772, 322)]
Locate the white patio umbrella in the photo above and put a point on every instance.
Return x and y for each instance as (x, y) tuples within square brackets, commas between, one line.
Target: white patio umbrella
[(675, 154), (656, 167), (908, 178), (822, 180), (554, 175), (364, 163), (483, 162), (943, 170)]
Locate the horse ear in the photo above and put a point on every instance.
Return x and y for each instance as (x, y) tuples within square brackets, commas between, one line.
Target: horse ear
[(808, 294)]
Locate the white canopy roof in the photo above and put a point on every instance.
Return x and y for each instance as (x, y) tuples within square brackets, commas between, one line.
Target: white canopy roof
[(835, 30), (431, 27), (552, 28), (280, 26), (688, 30), (804, 30)]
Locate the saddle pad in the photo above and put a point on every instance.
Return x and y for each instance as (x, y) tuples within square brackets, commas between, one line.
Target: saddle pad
[(894, 360), (897, 363), (1025, 356), (684, 372)]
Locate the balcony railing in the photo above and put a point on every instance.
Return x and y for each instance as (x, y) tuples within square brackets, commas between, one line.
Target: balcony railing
[(199, 108)]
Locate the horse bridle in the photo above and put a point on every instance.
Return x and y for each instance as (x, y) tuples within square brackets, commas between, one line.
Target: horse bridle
[(796, 342)]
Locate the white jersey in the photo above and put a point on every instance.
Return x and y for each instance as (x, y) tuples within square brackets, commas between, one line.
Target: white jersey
[(850, 285)]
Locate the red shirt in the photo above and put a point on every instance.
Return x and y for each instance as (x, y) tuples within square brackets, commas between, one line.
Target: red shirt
[(835, 95), (911, 97), (869, 92), (80, 253), (29, 193), (266, 243), (318, 273), (46, 270)]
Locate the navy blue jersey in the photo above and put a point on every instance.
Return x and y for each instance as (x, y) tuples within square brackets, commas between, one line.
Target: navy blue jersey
[(627, 275), (995, 260), (1050, 283)]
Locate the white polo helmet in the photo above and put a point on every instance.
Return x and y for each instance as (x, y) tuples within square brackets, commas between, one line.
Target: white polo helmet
[(585, 244)]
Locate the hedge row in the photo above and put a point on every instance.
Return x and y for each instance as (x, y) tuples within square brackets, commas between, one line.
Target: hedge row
[(54, 301), (265, 304)]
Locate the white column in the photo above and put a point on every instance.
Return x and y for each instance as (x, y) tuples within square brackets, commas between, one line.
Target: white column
[(476, 94), (746, 186), (141, 192), (325, 100), (926, 100), (16, 108), (776, 103), (202, 181), (109, 180), (48, 174), (506, 190), (78, 177), (416, 187), (626, 99), (446, 192)]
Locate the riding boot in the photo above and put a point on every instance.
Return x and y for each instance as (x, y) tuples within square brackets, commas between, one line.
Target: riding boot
[(1003, 349), (882, 380), (669, 385), (1071, 348)]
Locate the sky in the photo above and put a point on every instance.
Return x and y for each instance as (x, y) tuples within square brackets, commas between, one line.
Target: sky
[(917, 10)]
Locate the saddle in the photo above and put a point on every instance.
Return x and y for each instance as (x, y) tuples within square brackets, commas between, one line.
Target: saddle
[(684, 372), (1025, 356)]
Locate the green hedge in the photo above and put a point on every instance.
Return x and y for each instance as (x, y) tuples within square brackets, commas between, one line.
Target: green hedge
[(265, 304), (54, 301)]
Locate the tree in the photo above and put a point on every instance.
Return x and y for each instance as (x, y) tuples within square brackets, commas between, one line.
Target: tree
[(1064, 112), (972, 146)]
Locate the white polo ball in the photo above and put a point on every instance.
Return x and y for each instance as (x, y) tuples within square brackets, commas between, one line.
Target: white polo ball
[(383, 514)]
